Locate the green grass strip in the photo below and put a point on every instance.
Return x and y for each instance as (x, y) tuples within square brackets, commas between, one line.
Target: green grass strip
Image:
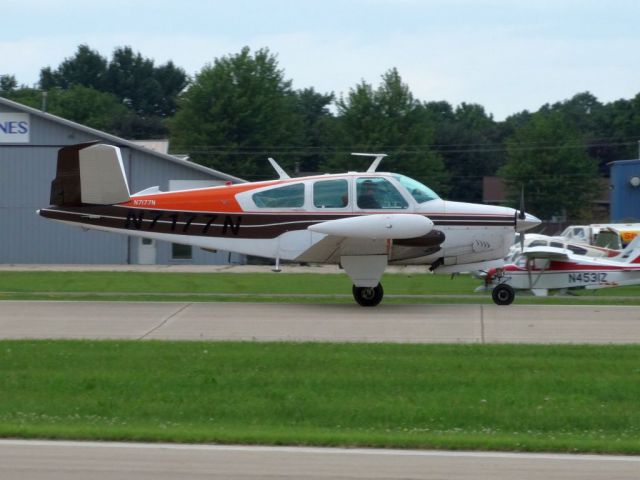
[(292, 287), (506, 397)]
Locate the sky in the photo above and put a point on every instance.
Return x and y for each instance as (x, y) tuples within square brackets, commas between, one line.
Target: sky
[(507, 56)]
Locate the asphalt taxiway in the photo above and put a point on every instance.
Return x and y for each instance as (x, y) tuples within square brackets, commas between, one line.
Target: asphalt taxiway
[(320, 322)]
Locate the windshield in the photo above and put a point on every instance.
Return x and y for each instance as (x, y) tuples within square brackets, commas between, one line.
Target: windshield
[(608, 239), (418, 191)]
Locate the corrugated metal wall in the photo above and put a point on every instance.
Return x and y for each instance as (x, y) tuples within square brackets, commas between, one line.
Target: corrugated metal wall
[(26, 172), (625, 197), (25, 237)]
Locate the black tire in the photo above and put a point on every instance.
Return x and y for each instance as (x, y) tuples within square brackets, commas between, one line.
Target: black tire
[(368, 296), (503, 294)]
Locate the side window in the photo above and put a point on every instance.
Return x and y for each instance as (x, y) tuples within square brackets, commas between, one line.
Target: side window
[(538, 243), (579, 232), (541, 263), (557, 244), (289, 196), (331, 194), (577, 250), (378, 193)]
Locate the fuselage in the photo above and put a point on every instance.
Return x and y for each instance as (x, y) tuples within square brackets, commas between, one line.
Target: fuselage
[(271, 219), (573, 273)]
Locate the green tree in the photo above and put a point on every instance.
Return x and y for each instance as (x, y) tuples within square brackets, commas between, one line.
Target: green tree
[(99, 110), (547, 156), (8, 84), (619, 124), (87, 68), (388, 120), (25, 95), (466, 139), (236, 113), (316, 123), (87, 106), (148, 90)]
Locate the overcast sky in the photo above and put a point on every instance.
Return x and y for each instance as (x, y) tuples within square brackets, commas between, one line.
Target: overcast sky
[(505, 55)]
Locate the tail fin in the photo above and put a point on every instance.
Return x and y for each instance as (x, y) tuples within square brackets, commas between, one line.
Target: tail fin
[(89, 173), (631, 254)]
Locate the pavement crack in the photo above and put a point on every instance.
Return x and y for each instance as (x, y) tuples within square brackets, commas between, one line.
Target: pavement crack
[(165, 321)]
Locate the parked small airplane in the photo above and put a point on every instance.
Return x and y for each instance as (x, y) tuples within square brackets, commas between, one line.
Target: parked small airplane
[(540, 269), (537, 240), (362, 221)]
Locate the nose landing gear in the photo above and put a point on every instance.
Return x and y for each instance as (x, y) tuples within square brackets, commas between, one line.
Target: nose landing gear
[(368, 296), (503, 294)]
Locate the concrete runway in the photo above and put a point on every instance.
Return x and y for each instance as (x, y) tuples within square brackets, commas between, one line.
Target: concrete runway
[(51, 460), (322, 322)]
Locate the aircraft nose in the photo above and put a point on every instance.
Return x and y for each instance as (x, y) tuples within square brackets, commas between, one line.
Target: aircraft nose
[(529, 221)]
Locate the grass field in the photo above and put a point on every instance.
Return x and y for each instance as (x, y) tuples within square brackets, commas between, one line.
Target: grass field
[(529, 398), (502, 397), (298, 287)]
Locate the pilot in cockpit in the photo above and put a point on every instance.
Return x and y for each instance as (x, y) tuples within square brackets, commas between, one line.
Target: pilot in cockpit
[(367, 195)]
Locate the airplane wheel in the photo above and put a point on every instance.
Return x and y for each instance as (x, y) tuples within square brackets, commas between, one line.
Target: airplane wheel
[(503, 294), (368, 296)]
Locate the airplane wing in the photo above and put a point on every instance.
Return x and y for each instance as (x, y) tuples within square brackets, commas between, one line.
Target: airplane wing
[(548, 253), (326, 250), (363, 235)]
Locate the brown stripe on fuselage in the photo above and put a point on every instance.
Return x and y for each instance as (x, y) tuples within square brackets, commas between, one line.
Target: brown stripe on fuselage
[(240, 225)]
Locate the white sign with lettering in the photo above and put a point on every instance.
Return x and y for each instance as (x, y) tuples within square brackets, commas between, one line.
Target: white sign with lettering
[(14, 127)]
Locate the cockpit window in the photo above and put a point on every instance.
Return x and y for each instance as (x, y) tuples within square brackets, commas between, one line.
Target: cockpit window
[(289, 196), (378, 193), (421, 193)]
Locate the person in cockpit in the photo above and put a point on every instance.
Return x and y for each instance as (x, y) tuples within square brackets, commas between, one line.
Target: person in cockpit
[(367, 195)]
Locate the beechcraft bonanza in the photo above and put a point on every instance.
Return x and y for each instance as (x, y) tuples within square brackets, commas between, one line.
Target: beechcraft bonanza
[(540, 269), (361, 221)]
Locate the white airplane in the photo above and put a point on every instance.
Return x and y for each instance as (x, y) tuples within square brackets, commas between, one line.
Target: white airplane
[(363, 221), (537, 240), (541, 269)]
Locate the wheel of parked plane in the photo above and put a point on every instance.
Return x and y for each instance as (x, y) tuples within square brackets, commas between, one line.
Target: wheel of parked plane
[(503, 294), (368, 296)]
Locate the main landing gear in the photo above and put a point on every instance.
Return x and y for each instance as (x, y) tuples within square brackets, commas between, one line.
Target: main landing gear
[(368, 296), (503, 294)]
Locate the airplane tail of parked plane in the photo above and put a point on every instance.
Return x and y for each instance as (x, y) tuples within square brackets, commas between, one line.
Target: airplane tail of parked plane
[(631, 254), (89, 173)]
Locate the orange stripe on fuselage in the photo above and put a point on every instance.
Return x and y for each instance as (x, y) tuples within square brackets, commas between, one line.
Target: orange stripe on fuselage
[(212, 199)]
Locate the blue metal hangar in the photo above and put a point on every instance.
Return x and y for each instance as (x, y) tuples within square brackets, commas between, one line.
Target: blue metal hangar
[(29, 142), (625, 191)]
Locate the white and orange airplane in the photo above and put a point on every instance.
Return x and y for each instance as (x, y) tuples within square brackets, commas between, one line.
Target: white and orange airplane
[(362, 221)]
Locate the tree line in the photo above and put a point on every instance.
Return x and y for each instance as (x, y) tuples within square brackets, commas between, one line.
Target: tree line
[(241, 108)]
